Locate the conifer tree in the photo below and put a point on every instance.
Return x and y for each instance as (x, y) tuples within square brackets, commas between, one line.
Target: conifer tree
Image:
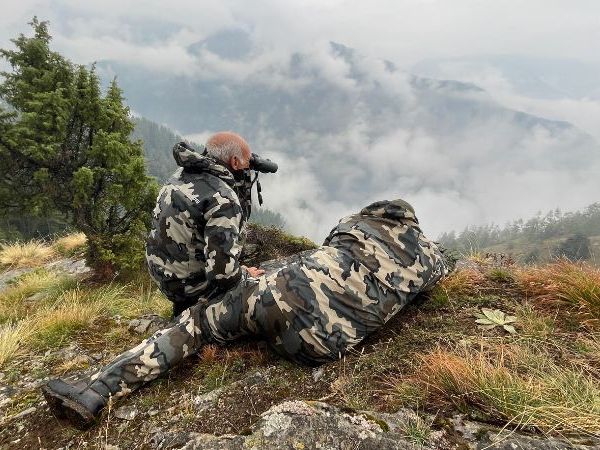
[(65, 147)]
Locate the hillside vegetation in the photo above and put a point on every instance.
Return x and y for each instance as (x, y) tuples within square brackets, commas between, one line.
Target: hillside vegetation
[(504, 344), (575, 235)]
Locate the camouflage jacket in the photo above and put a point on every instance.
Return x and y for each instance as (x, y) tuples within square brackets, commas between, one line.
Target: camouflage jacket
[(194, 243), (316, 308)]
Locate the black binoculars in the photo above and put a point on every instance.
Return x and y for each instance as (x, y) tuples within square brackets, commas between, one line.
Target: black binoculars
[(262, 164)]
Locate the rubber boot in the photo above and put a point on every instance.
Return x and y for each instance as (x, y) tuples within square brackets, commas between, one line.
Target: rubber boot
[(76, 403)]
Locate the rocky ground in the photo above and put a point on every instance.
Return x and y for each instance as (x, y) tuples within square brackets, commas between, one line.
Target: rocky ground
[(243, 396)]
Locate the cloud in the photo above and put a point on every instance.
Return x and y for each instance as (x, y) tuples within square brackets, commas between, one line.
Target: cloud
[(452, 182), (404, 31), (583, 112), (490, 170)]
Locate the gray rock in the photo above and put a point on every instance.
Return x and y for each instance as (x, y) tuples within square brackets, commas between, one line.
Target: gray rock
[(148, 323), (481, 436), (205, 401), (506, 441), (66, 354), (9, 275), (317, 373), (126, 413), (302, 425), (37, 296), (316, 425), (71, 266)]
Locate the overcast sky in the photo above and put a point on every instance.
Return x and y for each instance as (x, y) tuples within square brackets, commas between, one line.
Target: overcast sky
[(404, 31), (158, 35)]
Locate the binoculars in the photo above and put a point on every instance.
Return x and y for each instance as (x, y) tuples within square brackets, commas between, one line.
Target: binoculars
[(262, 164)]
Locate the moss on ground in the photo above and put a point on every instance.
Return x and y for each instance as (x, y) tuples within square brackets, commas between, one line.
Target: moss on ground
[(266, 243)]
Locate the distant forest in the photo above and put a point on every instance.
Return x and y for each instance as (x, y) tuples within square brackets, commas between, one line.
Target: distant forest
[(571, 230), (158, 141)]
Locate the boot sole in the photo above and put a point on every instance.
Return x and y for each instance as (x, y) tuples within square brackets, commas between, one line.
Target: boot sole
[(68, 410)]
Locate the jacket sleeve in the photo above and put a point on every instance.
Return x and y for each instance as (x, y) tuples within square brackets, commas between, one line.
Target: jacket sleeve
[(222, 239)]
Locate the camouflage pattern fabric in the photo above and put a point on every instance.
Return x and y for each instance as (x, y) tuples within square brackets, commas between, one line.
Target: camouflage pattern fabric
[(312, 310), (371, 265), (195, 239), (152, 357)]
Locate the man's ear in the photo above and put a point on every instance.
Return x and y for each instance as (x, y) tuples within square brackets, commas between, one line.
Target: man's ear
[(234, 163)]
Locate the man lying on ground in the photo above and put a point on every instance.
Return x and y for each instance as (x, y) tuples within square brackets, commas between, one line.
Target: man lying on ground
[(311, 311)]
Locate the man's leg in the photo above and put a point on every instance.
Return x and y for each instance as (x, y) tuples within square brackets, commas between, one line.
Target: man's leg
[(82, 402), (163, 350)]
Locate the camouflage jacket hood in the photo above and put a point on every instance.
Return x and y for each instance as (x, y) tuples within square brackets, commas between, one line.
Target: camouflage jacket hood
[(195, 162), (396, 210)]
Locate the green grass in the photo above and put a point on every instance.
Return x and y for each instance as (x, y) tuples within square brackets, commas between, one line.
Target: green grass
[(532, 322), (416, 430), (65, 309), (12, 299), (500, 275)]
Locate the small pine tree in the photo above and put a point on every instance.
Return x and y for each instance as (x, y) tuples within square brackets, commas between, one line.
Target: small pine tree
[(64, 147)]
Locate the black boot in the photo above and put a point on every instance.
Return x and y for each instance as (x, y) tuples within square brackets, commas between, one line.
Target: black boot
[(75, 403)]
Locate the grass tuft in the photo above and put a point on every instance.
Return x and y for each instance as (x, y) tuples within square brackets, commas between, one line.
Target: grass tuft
[(565, 284), (69, 244), (460, 283), (25, 254), (12, 336), (416, 430), (13, 305), (209, 353), (500, 275), (533, 322), (73, 312), (551, 398)]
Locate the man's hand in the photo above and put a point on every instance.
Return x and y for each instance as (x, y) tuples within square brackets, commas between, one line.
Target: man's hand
[(254, 272)]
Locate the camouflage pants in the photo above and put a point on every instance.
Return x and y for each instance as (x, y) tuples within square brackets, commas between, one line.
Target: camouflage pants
[(300, 310), (222, 320)]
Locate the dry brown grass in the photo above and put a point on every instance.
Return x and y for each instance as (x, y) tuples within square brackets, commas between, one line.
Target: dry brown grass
[(565, 284), (549, 398), (67, 244), (209, 353), (78, 363), (25, 254), (463, 282)]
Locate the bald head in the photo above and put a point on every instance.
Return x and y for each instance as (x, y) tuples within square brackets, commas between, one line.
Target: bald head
[(229, 148)]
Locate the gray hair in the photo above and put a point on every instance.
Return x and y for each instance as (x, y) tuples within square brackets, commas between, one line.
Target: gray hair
[(225, 150)]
